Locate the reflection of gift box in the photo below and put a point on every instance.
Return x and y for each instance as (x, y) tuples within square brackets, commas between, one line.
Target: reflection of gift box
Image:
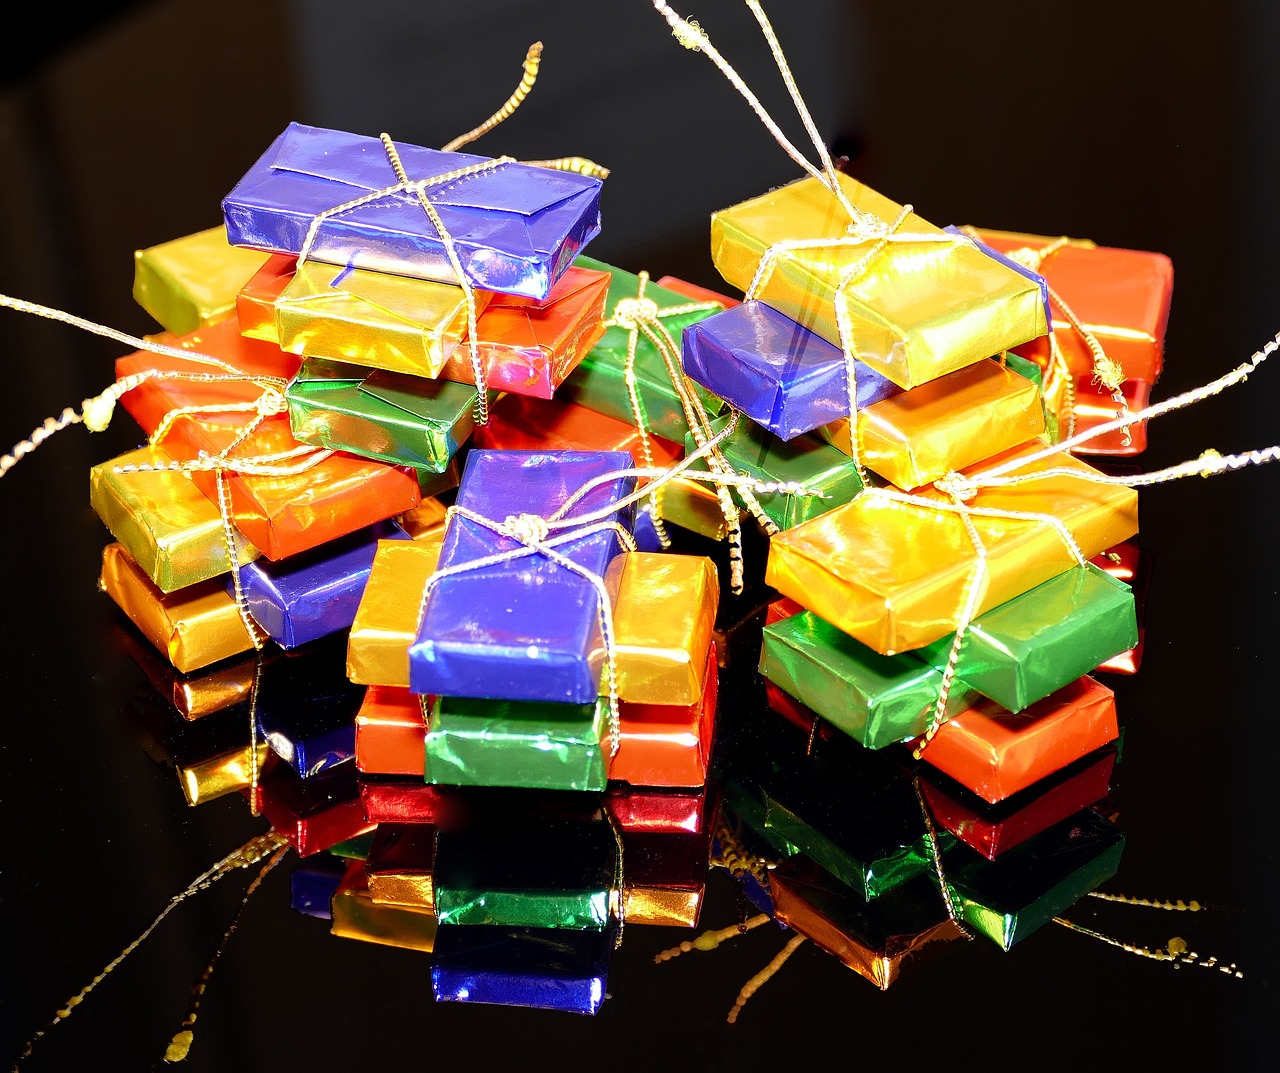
[(388, 799), (1130, 564), (399, 867), (312, 814), (313, 883), (355, 915), (529, 628), (196, 695), (168, 526), (996, 753), (386, 621), (515, 227), (919, 310), (256, 300), (390, 732), (894, 575), (192, 281)]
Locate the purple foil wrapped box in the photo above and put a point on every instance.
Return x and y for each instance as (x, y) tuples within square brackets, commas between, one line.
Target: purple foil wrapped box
[(1009, 262), (777, 372), (529, 628), (311, 595), (516, 227)]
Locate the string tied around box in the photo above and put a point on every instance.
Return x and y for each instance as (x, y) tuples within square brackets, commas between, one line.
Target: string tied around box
[(420, 187)]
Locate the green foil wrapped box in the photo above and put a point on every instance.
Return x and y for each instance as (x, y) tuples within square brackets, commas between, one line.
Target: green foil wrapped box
[(528, 744), (1023, 650), (391, 417), (599, 382)]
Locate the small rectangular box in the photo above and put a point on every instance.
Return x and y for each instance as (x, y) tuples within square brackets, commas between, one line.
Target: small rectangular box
[(192, 281)]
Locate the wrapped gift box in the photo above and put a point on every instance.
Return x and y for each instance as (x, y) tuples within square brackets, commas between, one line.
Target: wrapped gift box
[(386, 621), (391, 732), (355, 915), (400, 864), (256, 300), (399, 800), (894, 574), (194, 696), (1095, 406), (695, 293), (920, 310), (192, 281), (515, 227), (313, 883), (313, 814), (529, 628), (306, 713)]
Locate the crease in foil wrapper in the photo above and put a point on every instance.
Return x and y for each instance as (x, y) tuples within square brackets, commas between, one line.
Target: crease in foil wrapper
[(211, 778), (355, 915), (515, 228), (400, 800), (528, 628), (386, 621), (256, 300), (192, 281)]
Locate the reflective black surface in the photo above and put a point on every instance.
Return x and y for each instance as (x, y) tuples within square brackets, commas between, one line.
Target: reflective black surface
[(1140, 125)]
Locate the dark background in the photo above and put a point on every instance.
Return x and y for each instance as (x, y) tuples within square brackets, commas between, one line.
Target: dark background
[(1139, 124)]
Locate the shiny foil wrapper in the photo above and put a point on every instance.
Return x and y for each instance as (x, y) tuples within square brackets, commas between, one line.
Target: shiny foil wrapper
[(659, 811), (893, 574), (783, 376), (403, 420), (315, 593), (528, 347), (1130, 564), (1009, 898), (386, 621), (664, 609), (193, 627), (313, 814), (1121, 296), (671, 907), (355, 915), (391, 732), (214, 776), (1039, 642), (280, 516), (168, 526), (531, 744), (425, 521), (694, 293), (668, 744), (1095, 406), (400, 864), (914, 438), (806, 460), (996, 829), (373, 319), (877, 700), (599, 382), (192, 281), (312, 885), (518, 423), (197, 695), (800, 715), (996, 753), (316, 735), (537, 968), (256, 300), (404, 800), (875, 939), (692, 505), (527, 629), (515, 228), (920, 310)]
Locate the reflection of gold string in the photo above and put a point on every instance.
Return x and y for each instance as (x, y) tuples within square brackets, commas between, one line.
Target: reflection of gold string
[(935, 858), (710, 940), (763, 977), (1175, 951)]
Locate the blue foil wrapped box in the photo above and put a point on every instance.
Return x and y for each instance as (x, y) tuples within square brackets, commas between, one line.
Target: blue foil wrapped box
[(308, 596), (314, 883), (528, 628), (515, 227), (777, 372)]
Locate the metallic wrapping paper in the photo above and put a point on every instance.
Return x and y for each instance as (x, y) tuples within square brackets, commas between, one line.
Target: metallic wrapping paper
[(386, 621), (281, 516), (692, 505), (315, 593), (197, 695), (893, 575), (671, 907), (531, 744), (1121, 296), (403, 420), (355, 915), (214, 776), (528, 628), (921, 309), (391, 732), (668, 745), (515, 228), (694, 293), (996, 753), (783, 376), (1130, 564), (914, 438), (404, 800), (599, 382), (256, 300), (1020, 652), (1009, 898), (193, 627), (664, 609), (805, 459), (192, 281), (875, 938), (312, 885), (166, 524), (993, 830), (1095, 406), (1009, 262), (659, 811), (538, 968), (312, 814), (528, 347), (400, 864), (877, 700), (373, 319), (425, 522)]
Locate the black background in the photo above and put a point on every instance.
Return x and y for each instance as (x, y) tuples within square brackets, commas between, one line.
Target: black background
[(1139, 124)]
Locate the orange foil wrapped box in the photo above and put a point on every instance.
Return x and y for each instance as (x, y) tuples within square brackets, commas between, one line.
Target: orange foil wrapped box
[(391, 732), (256, 301)]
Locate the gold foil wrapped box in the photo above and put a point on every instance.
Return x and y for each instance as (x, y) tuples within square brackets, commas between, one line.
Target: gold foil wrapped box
[(386, 621), (927, 303)]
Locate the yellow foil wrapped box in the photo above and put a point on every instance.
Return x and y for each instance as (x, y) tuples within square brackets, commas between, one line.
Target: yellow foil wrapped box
[(373, 319), (172, 531), (926, 304), (193, 627), (219, 775), (665, 906), (386, 621), (192, 281), (894, 574), (664, 610)]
